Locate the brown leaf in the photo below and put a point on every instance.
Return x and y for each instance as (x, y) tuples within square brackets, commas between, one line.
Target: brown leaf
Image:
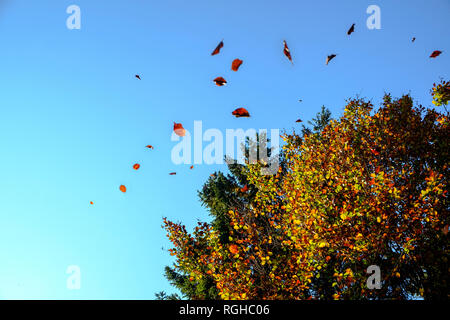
[(220, 81), (351, 30), (330, 57)]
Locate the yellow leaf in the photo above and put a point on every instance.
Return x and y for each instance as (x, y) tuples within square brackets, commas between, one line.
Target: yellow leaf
[(322, 244)]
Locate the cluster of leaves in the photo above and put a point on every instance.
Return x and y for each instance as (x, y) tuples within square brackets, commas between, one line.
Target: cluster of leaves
[(368, 189), (441, 93)]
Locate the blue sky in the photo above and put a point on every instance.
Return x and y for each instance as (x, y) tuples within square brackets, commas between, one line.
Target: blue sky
[(73, 119)]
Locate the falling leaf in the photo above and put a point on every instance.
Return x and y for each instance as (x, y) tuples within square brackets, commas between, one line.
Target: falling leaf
[(178, 129), (299, 120), (217, 49), (286, 51), (435, 54), (220, 81), (351, 30), (91, 202), (149, 146), (123, 188), (172, 173), (191, 167), (244, 189), (330, 57), (240, 112), (236, 64), (136, 166)]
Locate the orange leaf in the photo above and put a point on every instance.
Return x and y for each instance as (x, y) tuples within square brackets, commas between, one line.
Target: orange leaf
[(234, 249), (178, 129)]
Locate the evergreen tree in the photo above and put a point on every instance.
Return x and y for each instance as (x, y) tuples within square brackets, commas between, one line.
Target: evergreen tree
[(223, 192)]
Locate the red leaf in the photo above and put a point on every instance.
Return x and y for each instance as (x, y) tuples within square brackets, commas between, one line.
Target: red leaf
[(217, 49), (178, 129), (286, 51), (236, 64), (240, 112), (435, 53), (220, 81)]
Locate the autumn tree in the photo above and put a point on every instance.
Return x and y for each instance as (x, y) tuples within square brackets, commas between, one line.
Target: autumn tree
[(370, 188)]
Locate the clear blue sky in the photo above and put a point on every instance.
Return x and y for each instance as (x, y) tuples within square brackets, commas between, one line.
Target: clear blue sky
[(73, 119)]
